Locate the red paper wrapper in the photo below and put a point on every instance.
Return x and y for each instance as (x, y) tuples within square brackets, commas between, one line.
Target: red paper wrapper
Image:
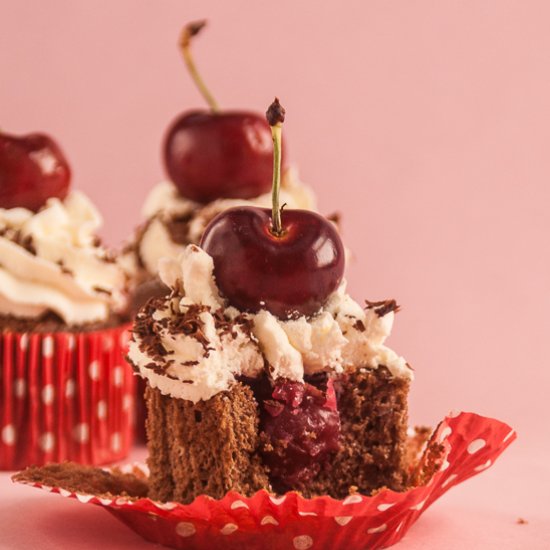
[(471, 444), (65, 396)]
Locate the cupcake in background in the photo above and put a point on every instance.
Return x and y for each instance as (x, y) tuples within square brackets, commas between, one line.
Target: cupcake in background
[(215, 159), (65, 389)]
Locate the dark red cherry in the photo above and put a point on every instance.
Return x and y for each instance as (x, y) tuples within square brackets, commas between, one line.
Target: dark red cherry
[(295, 271), (32, 169), (224, 154), (216, 154), (302, 426)]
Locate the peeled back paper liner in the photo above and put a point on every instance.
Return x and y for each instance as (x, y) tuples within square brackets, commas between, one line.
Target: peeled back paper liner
[(65, 396), (462, 446)]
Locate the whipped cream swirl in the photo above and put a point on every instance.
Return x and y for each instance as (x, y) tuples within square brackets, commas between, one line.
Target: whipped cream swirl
[(191, 345), (174, 221), (51, 261)]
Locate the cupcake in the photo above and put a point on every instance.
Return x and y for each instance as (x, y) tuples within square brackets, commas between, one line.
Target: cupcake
[(261, 371), (214, 160), (65, 387)]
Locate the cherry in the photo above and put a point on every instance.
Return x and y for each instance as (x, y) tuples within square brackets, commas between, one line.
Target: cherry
[(32, 169), (212, 154), (302, 426), (286, 261)]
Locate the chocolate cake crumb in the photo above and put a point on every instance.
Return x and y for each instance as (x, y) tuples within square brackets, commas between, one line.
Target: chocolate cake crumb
[(50, 322), (87, 480), (373, 414), (209, 447), (521, 521)]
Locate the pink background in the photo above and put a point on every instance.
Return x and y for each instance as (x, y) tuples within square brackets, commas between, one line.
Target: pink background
[(426, 123)]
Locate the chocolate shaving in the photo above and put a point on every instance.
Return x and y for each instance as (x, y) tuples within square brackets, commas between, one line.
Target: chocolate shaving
[(359, 325), (383, 307), (63, 268), (102, 290)]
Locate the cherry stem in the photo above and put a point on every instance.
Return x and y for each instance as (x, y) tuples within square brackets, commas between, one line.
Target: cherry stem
[(189, 31), (275, 117)]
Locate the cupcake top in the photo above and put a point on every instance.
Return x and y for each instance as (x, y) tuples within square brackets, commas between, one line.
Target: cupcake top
[(52, 262), (173, 221), (192, 344)]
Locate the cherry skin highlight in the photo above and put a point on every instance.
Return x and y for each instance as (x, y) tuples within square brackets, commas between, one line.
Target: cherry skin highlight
[(212, 155), (293, 273), (32, 169)]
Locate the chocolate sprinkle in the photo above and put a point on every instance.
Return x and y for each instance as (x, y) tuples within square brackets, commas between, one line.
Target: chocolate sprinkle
[(383, 307)]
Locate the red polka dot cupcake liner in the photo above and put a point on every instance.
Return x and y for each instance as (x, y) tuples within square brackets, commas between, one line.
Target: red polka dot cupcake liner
[(65, 396), (463, 445)]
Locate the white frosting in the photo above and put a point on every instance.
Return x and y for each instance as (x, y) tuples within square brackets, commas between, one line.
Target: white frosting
[(68, 273), (164, 203), (333, 339)]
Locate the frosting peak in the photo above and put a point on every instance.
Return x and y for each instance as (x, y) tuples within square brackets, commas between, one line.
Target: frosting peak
[(226, 343), (51, 260)]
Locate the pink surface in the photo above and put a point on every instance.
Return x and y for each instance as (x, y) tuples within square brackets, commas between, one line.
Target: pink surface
[(426, 123)]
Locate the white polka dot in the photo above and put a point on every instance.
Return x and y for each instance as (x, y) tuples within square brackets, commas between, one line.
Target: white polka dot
[(101, 410), (444, 465), (482, 467), (303, 542), (116, 442), (185, 529), (166, 505), (277, 500), (70, 387), (307, 513), (449, 480), (343, 520), (269, 520), (124, 338), (127, 402), (107, 343), (419, 506), (70, 341), (118, 376), (238, 504), (476, 445), (48, 393), (8, 434), (384, 507), (47, 346), (47, 442), (379, 529), (228, 528), (94, 370), (445, 433), (65, 493), (121, 501), (510, 434), (353, 499), (106, 501), (24, 342), (84, 498), (81, 432), (20, 388)]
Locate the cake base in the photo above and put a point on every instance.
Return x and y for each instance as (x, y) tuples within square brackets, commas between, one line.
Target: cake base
[(373, 435), (210, 447)]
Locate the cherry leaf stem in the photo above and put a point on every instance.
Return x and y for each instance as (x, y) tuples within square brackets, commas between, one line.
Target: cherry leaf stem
[(189, 31)]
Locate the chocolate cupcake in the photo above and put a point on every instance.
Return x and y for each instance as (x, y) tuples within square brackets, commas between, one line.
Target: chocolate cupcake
[(65, 389)]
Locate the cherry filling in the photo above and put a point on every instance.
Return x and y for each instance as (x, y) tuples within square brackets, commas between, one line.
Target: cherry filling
[(301, 427)]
